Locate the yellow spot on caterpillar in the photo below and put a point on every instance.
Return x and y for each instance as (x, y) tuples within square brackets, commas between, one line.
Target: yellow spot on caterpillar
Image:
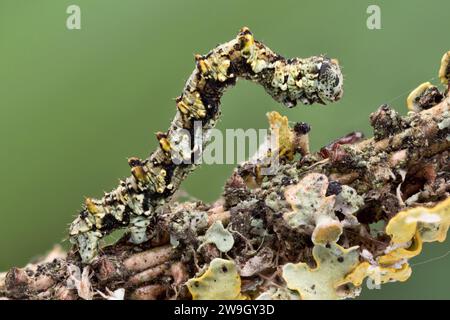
[(335, 61), (139, 173), (90, 206), (191, 105), (246, 40), (197, 108), (165, 144), (201, 64), (216, 66), (184, 109), (137, 170)]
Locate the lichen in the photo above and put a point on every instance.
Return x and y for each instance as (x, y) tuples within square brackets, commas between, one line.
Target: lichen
[(220, 281), (378, 274), (333, 263), (219, 236), (258, 263), (394, 254), (445, 123), (423, 97), (444, 69), (278, 294), (186, 224), (311, 206), (279, 126), (432, 223), (348, 202)]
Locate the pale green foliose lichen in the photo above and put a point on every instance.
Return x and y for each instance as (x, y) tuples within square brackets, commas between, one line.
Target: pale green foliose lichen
[(220, 281), (219, 236), (333, 264)]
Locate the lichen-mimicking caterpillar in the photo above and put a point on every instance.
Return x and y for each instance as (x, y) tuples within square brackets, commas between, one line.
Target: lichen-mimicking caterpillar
[(134, 203)]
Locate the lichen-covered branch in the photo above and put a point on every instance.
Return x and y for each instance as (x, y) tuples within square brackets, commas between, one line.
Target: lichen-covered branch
[(316, 229)]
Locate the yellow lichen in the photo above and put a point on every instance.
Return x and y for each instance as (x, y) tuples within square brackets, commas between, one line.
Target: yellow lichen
[(390, 267), (333, 264), (431, 224), (399, 254), (220, 281), (408, 230), (413, 97), (378, 274), (279, 126), (444, 70)]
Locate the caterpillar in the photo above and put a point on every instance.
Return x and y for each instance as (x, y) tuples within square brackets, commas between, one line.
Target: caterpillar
[(134, 203)]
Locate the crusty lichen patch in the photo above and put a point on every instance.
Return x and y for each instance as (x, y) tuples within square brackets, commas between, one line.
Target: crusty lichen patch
[(220, 281)]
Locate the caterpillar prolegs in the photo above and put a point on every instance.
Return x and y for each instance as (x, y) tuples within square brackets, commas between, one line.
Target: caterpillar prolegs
[(136, 200)]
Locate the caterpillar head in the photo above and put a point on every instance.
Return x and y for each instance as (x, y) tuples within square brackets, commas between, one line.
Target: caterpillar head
[(312, 80), (330, 81)]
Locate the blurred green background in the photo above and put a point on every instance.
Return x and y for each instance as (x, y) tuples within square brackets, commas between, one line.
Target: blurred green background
[(74, 104)]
